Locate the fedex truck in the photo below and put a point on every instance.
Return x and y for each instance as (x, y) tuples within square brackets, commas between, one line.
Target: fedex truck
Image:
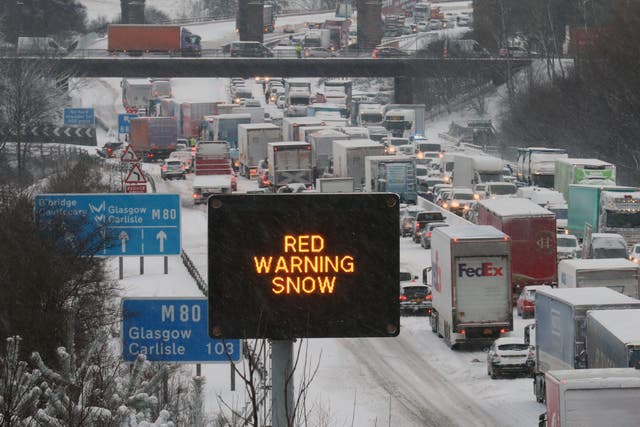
[(471, 278)]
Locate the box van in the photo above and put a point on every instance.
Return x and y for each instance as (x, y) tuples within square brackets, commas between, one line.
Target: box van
[(249, 49), (606, 245)]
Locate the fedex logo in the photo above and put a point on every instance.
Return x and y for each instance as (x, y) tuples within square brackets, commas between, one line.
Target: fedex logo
[(486, 269)]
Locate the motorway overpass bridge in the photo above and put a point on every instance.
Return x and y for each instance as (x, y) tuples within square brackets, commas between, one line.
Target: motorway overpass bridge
[(404, 70)]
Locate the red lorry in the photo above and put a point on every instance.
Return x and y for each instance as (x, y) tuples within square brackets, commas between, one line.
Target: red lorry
[(153, 138), (214, 174), (135, 40), (338, 32), (532, 229), (192, 114)]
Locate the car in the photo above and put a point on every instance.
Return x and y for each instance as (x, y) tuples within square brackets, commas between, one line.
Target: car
[(280, 103), (526, 303), (607, 245), (435, 24), (422, 26), (500, 189), (110, 149), (415, 296), (568, 246), (388, 52), (443, 196), (317, 52), (172, 169), (425, 238), (422, 219), (262, 80), (634, 253), (463, 21), (510, 355), (249, 49), (288, 28)]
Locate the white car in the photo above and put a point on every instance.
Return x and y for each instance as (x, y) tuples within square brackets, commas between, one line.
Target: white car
[(510, 355), (280, 103), (568, 246), (634, 253)]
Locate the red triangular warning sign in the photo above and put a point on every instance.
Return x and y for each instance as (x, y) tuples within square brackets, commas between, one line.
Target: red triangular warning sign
[(135, 176), (129, 156)]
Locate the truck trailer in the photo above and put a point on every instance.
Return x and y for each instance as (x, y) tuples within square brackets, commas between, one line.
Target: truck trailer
[(613, 339), (322, 148), (592, 397), (560, 327), (537, 165), (153, 138), (471, 278), (137, 39), (606, 209), (393, 174), (252, 143), (532, 229), (349, 158), (289, 162), (618, 274), (214, 174), (582, 171), (334, 185)]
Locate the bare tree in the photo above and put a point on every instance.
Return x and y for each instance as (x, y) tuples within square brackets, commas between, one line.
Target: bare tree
[(30, 94)]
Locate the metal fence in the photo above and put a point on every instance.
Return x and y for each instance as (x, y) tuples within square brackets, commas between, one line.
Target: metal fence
[(195, 274)]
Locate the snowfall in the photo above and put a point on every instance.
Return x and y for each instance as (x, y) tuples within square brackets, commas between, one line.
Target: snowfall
[(411, 380)]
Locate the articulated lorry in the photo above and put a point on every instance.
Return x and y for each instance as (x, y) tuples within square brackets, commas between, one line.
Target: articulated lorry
[(192, 115), (532, 229), (214, 174), (224, 127), (582, 171), (605, 209), (289, 162), (297, 97), (618, 274), (592, 397), (471, 278), (404, 120), (613, 339), (136, 39), (322, 148), (392, 174), (469, 170), (153, 138), (136, 95), (537, 166), (349, 158), (561, 330), (252, 143)]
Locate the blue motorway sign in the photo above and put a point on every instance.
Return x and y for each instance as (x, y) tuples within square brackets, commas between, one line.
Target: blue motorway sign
[(172, 330), (79, 117), (120, 224), (124, 126)]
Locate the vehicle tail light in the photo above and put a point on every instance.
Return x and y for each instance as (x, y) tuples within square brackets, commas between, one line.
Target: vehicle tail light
[(164, 168), (403, 297), (197, 196), (504, 330), (462, 331), (428, 234), (428, 297)]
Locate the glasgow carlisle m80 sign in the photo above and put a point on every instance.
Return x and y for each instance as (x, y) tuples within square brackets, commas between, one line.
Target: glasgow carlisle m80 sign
[(303, 266)]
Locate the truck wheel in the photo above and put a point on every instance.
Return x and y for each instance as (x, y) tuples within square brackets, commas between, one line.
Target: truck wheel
[(494, 374), (434, 321)]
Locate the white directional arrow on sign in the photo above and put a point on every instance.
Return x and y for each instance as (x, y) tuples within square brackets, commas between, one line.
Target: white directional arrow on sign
[(161, 236), (123, 238)]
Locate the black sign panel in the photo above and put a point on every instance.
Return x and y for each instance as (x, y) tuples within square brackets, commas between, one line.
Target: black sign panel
[(304, 265), (54, 134)]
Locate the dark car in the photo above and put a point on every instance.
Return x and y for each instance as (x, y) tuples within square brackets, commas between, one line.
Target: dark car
[(415, 297), (109, 149), (422, 219), (425, 238), (249, 49), (388, 52)]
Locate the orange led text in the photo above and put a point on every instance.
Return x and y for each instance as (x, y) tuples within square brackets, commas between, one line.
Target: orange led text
[(304, 270)]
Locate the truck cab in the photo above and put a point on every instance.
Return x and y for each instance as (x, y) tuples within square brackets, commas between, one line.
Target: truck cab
[(399, 122)]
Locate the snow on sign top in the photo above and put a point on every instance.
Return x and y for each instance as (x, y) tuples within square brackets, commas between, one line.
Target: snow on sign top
[(588, 296), (514, 207), (601, 264), (622, 323)]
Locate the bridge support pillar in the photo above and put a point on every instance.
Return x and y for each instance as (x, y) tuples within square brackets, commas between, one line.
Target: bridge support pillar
[(369, 23), (249, 21), (403, 90), (132, 11)]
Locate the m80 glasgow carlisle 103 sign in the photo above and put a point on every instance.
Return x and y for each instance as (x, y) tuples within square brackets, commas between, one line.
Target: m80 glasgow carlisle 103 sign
[(304, 266)]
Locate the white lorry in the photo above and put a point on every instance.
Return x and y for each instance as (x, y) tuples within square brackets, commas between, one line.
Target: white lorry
[(289, 162), (469, 170), (252, 143), (317, 38), (619, 274), (334, 185), (291, 126), (322, 148), (404, 120), (592, 397), (297, 97), (471, 278), (369, 115), (537, 165), (349, 156), (549, 199)]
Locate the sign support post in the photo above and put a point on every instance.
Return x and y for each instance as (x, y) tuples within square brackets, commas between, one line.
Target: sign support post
[(141, 265), (120, 267), (281, 382), (166, 265)]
